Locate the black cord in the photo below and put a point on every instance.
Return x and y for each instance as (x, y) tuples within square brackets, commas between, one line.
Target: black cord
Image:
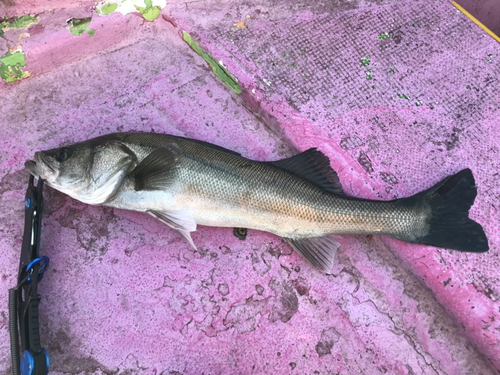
[(14, 332)]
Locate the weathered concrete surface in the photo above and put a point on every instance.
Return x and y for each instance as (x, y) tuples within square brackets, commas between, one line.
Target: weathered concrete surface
[(125, 294)]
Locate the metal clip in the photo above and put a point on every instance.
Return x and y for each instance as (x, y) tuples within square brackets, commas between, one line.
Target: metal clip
[(24, 298)]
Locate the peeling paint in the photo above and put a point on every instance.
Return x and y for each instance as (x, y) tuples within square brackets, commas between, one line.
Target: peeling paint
[(109, 8), (149, 9), (329, 337), (78, 26), (217, 67), (10, 70), (14, 60), (240, 25), (149, 12), (16, 23), (24, 36)]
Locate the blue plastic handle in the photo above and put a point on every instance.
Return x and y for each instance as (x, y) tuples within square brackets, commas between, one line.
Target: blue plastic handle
[(45, 263)]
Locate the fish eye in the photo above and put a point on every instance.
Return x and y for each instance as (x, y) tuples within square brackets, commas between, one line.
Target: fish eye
[(63, 154)]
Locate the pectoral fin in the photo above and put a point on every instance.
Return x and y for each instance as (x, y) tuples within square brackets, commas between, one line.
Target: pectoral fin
[(181, 221), (320, 251), (157, 170)]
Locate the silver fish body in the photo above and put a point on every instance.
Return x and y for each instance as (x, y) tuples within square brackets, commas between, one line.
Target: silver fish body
[(186, 183)]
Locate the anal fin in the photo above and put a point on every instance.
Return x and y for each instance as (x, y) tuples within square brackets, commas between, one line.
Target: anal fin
[(319, 251), (181, 221)]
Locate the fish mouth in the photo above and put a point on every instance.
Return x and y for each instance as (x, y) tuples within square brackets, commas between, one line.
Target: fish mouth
[(30, 165), (41, 167)]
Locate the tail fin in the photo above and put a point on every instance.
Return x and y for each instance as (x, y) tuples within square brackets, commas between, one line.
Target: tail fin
[(449, 223)]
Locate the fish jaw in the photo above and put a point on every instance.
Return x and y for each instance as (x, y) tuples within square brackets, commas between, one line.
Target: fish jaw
[(30, 165), (43, 167)]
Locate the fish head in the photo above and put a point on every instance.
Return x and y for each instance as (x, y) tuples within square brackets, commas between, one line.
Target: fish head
[(91, 171)]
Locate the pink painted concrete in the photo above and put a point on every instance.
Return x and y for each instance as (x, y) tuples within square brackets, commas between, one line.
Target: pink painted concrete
[(127, 295)]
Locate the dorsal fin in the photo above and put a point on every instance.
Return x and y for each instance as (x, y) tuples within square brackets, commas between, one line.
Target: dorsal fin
[(313, 166), (215, 147)]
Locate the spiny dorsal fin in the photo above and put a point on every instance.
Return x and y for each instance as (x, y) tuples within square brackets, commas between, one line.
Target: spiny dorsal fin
[(320, 251), (156, 171), (313, 166), (215, 147), (158, 140)]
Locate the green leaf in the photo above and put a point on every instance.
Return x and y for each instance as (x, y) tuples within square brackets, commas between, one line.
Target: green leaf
[(10, 70), (365, 61), (150, 12), (16, 22), (219, 70), (80, 26), (109, 8)]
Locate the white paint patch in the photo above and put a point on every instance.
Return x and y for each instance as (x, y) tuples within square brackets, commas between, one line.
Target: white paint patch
[(127, 6)]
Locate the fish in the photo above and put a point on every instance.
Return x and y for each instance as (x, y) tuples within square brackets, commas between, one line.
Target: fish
[(186, 182)]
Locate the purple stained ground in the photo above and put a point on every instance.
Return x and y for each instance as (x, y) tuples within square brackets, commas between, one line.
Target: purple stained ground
[(398, 94)]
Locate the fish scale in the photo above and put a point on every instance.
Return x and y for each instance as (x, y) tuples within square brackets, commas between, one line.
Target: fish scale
[(264, 190)]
